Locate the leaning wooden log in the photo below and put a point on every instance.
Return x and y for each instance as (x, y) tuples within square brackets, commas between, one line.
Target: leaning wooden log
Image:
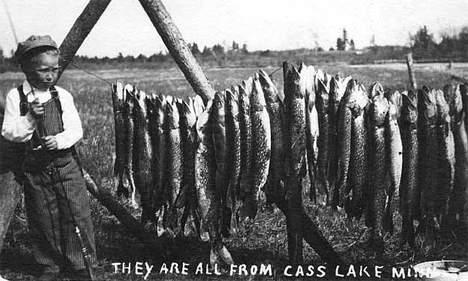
[(177, 47), (312, 235), (80, 30), (106, 199), (10, 189)]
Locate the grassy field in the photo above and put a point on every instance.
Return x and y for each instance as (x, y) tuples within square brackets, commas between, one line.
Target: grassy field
[(262, 241)]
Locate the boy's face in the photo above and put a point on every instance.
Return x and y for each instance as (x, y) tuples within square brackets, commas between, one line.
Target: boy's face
[(42, 70)]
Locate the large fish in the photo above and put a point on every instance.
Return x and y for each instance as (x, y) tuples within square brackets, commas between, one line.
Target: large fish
[(208, 197), (428, 161), (261, 142), (458, 195), (218, 116), (246, 192), (295, 150), (395, 157), (188, 143), (119, 125), (396, 99), (312, 132), (323, 159), (173, 161), (410, 192), (233, 136), (446, 157), (159, 152), (378, 166), (274, 187), (143, 157), (337, 90), (357, 178), (129, 138)]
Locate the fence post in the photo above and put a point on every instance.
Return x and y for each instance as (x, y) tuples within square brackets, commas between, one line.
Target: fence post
[(409, 63)]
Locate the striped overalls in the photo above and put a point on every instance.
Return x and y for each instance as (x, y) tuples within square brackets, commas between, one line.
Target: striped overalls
[(55, 196)]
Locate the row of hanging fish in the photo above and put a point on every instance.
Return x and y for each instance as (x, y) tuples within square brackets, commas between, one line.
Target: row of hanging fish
[(211, 167), (374, 146), (155, 153)]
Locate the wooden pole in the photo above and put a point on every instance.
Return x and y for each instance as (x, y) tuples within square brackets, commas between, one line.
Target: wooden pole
[(177, 47), (409, 63), (80, 30), (104, 196)]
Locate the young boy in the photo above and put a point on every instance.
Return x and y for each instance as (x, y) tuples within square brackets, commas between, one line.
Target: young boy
[(44, 117)]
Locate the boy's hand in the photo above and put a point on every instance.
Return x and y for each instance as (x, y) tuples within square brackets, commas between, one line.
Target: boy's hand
[(50, 142), (36, 109)]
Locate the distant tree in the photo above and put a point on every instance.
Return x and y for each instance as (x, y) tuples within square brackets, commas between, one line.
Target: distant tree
[(340, 44), (235, 46), (345, 38), (352, 47), (206, 51), (372, 41), (120, 57), (331, 49), (423, 43), (244, 49), (218, 49), (320, 49), (195, 50)]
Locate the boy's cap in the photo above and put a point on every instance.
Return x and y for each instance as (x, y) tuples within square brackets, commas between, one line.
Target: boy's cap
[(33, 42)]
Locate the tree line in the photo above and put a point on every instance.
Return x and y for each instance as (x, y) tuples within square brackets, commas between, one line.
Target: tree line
[(451, 47)]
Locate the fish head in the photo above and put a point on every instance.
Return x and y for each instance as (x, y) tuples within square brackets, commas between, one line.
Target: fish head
[(443, 108), (203, 122), (322, 96), (141, 101), (219, 104), (449, 95), (159, 108), (244, 99), (310, 84), (129, 98), (337, 89), (378, 110), (172, 117), (118, 90), (189, 113), (269, 88), (257, 99), (232, 101), (376, 90), (457, 104), (427, 104), (151, 104), (198, 105), (409, 110), (319, 76), (357, 95)]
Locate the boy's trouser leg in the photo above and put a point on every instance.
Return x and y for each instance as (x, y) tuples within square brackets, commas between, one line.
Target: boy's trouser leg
[(43, 218), (70, 185)]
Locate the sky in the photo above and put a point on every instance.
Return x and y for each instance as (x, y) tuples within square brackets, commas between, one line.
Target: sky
[(261, 24)]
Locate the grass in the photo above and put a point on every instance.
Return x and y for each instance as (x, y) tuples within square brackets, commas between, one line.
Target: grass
[(263, 240)]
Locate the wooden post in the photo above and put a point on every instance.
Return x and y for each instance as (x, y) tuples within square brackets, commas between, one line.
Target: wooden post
[(409, 63), (80, 30), (177, 47), (105, 198)]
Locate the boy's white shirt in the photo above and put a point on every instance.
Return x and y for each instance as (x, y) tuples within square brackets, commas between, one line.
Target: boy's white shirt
[(18, 128)]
